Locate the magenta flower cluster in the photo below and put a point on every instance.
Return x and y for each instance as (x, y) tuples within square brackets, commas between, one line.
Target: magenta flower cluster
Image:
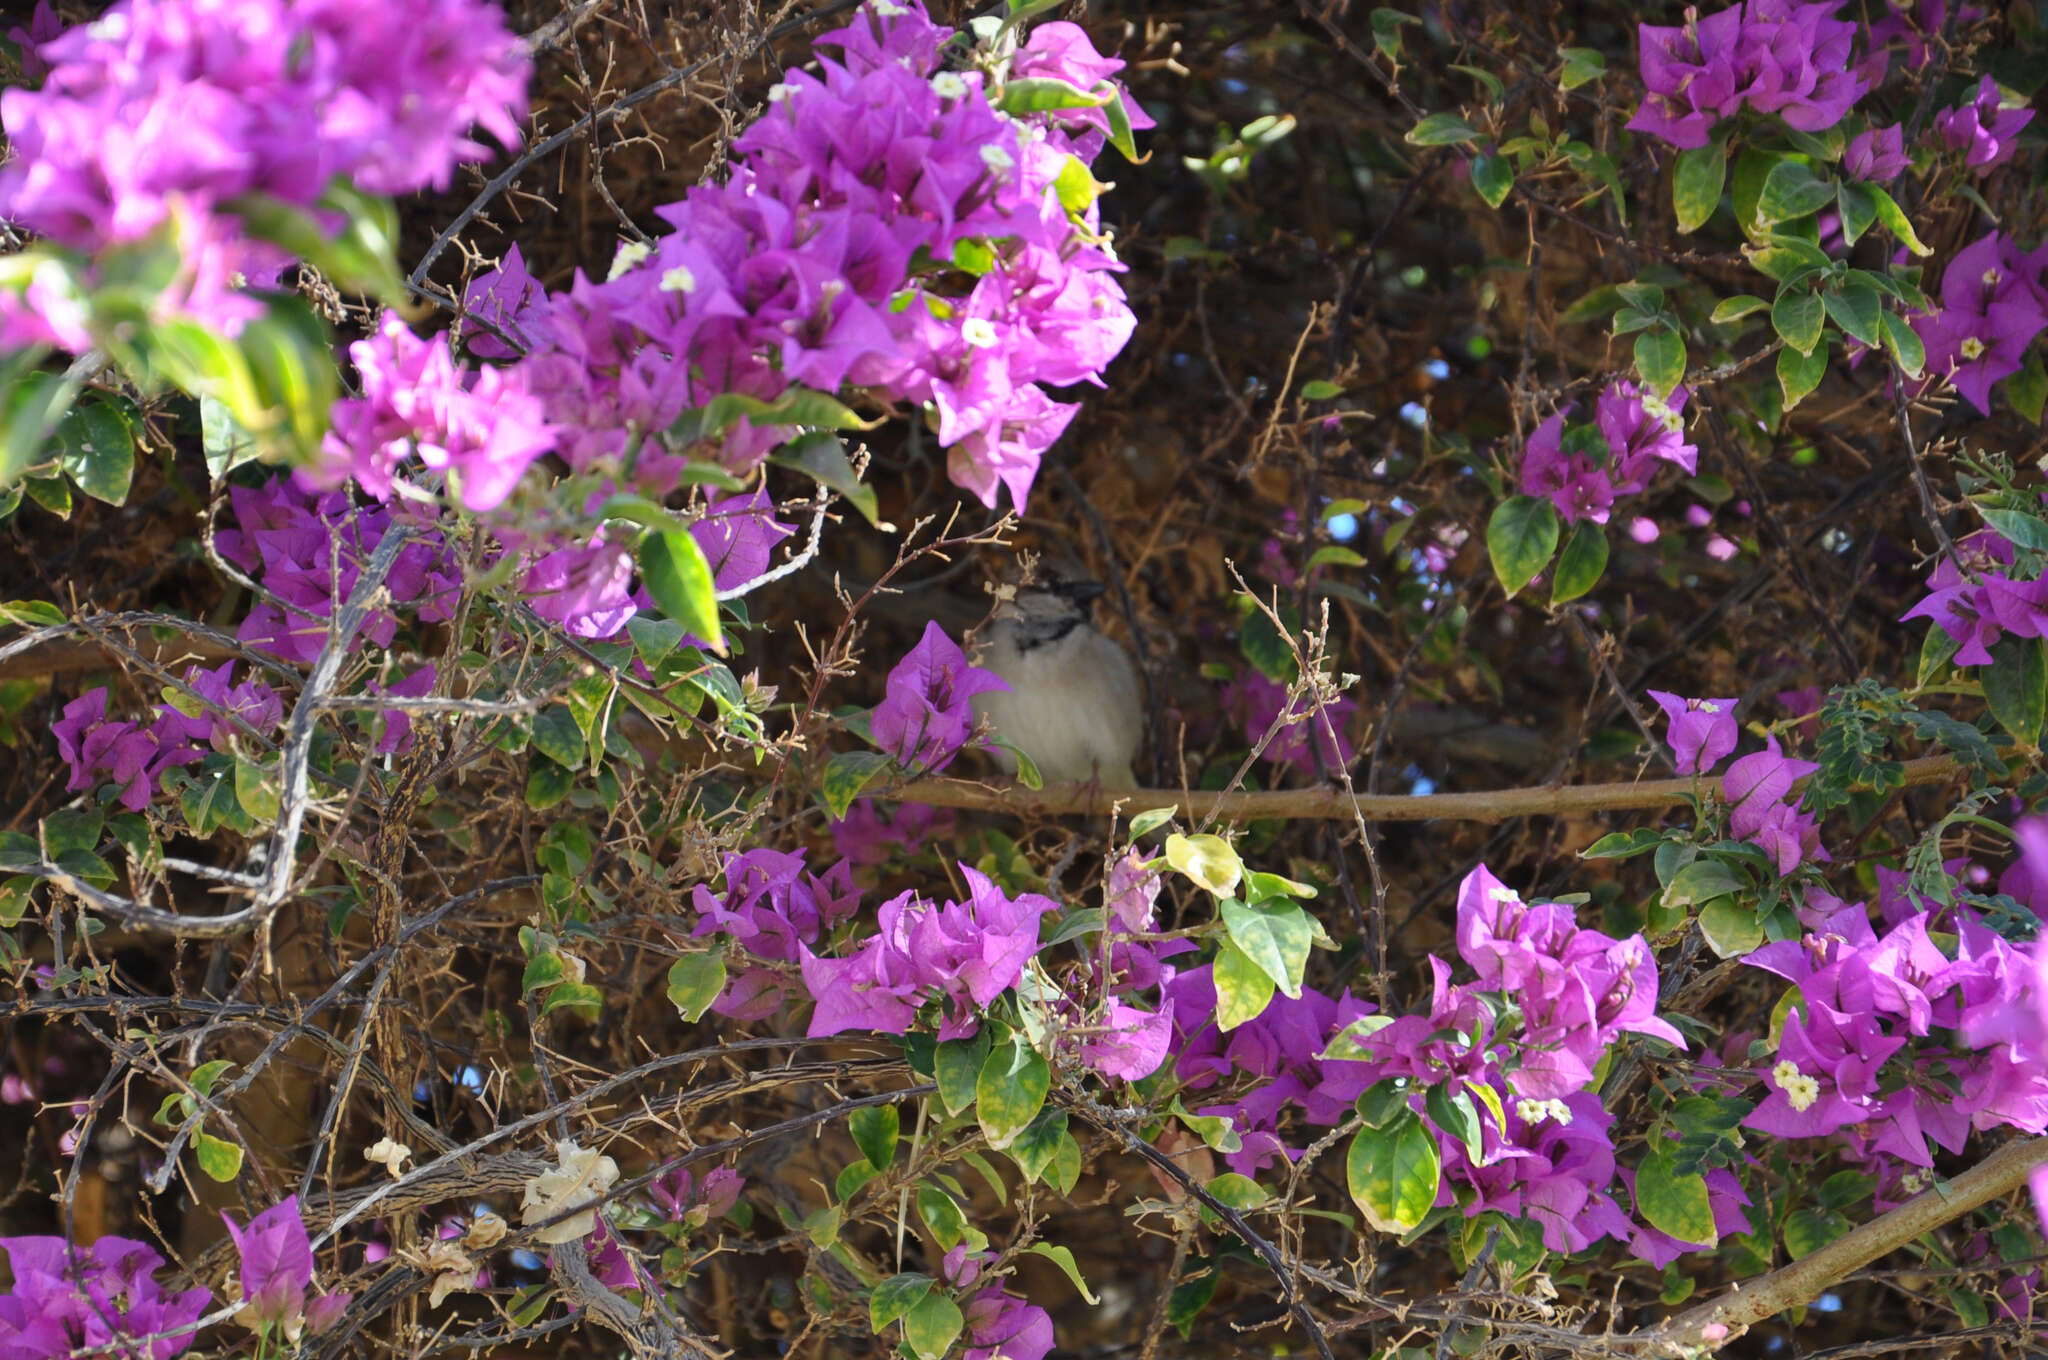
[(1256, 703), (175, 109), (277, 1274), (999, 1325), (1772, 56), (965, 953), (926, 716), (824, 262), (1975, 598), (481, 429), (1983, 128), (1904, 1038), (1547, 1001), (772, 908), (67, 1298), (1583, 475), (1757, 788), (132, 757), (1994, 301)]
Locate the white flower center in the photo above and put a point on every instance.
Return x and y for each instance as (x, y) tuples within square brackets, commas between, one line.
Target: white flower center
[(1972, 347), (997, 159), (1801, 1091), (678, 280), (979, 332), (949, 85), (630, 254)]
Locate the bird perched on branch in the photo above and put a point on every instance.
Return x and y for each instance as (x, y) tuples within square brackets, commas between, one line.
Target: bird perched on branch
[(1073, 704)]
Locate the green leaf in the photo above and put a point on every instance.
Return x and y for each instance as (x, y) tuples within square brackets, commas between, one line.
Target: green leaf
[(1044, 94), (1582, 66), (1660, 359), (1441, 129), (875, 1128), (932, 1326), (225, 440), (1799, 374), (1208, 861), (846, 774), (1010, 1090), (1736, 308), (1219, 1131), (362, 259), (96, 449), (957, 1065), (1275, 935), (1038, 1149), (1730, 928), (1320, 389), (542, 970), (1121, 135), (797, 405), (31, 404), (1520, 537), (1393, 1174), (65, 832), (2028, 530), (822, 457), (2027, 389), (557, 736), (217, 1157), (1703, 880), (1907, 350), (1856, 308), (1858, 210), (1063, 1257), (673, 567), (1790, 191), (581, 997), (2016, 687), (1458, 1116), (1624, 844), (1493, 176), (1580, 565), (1674, 1201), (896, 1296), (1696, 182), (1243, 989), (206, 1074), (694, 982), (31, 613), (1147, 821), (1808, 1230), (1798, 318), (943, 1215), (1386, 30), (1266, 647), (1895, 221)]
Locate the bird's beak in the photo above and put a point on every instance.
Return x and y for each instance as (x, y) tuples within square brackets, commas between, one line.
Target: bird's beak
[(1080, 592)]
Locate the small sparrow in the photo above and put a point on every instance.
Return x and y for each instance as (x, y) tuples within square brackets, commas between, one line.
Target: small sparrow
[(1073, 704)]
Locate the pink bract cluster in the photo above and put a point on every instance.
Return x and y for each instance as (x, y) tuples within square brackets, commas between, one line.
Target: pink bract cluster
[(172, 110), (1975, 597), (1772, 56), (884, 228), (1582, 475), (67, 1298)]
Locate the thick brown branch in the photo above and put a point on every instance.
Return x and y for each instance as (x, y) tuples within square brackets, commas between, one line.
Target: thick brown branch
[(1490, 805), (1713, 1325)]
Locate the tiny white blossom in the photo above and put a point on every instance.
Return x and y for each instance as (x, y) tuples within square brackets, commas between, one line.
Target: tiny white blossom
[(979, 332), (630, 253), (1801, 1091), (1972, 347), (887, 9), (1990, 278), (949, 85), (997, 159), (678, 280), (778, 93)]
